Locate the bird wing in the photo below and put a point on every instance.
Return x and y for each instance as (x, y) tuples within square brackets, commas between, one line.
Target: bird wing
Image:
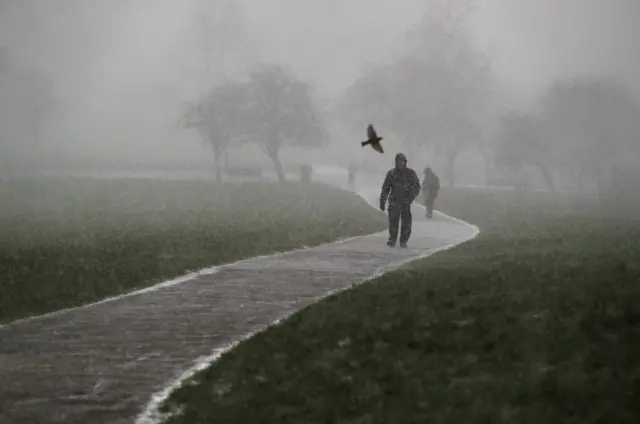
[(371, 133), (377, 147)]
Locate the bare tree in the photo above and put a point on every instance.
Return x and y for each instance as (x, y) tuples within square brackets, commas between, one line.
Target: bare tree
[(272, 109), (282, 112), (218, 119), (222, 48)]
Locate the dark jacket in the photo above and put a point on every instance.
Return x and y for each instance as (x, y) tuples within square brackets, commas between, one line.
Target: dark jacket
[(401, 186), (430, 185)]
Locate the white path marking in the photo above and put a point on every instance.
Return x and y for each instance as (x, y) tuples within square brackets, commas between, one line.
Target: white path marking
[(173, 282), (151, 413)]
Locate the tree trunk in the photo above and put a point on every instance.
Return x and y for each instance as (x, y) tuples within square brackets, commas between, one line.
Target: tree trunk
[(278, 168), (548, 177), (273, 150)]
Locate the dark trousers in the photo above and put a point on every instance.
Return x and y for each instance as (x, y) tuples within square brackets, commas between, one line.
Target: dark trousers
[(399, 213)]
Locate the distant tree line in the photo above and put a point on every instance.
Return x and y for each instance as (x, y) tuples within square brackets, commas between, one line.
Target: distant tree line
[(438, 96), (586, 127)]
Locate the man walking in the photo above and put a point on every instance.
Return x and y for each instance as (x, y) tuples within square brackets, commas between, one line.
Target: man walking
[(401, 186), (430, 189)]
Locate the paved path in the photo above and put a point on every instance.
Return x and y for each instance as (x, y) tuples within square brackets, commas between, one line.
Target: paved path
[(101, 363)]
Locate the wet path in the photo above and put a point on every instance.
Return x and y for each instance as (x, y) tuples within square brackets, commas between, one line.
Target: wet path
[(101, 364)]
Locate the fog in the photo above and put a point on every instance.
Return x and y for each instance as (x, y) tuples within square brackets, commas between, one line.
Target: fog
[(119, 74), (245, 125)]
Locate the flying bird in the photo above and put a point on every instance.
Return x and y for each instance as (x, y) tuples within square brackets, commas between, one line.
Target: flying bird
[(373, 139)]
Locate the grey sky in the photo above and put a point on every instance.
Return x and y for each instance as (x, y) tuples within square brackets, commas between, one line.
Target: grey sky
[(125, 66), (529, 41), (535, 41)]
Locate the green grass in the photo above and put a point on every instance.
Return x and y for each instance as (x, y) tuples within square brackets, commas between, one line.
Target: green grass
[(537, 320), (70, 241)]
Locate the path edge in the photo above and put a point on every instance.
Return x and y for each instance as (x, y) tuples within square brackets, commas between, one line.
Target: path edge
[(151, 413), (187, 276)]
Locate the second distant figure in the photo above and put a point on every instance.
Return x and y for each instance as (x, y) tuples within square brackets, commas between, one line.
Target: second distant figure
[(400, 188), (430, 189)]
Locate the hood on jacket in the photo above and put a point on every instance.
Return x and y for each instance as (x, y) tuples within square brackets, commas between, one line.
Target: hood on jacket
[(400, 158)]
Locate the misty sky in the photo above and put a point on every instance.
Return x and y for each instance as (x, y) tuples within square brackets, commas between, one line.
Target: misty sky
[(126, 66), (529, 41)]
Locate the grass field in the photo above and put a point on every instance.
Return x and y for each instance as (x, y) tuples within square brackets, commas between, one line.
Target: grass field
[(70, 241), (535, 321)]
